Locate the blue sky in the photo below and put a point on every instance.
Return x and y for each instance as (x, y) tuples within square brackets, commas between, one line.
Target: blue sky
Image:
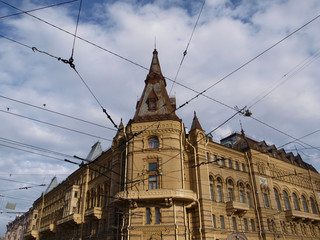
[(228, 35)]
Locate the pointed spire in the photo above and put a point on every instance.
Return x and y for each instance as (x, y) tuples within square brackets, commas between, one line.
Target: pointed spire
[(155, 103), (195, 123), (155, 73)]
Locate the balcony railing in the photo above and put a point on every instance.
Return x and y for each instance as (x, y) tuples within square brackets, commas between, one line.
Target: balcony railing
[(302, 216), (238, 208), (158, 194), (71, 219), (50, 228), (33, 234)]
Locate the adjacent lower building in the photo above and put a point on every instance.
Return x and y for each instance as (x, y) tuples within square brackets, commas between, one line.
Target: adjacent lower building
[(17, 228), (158, 181)]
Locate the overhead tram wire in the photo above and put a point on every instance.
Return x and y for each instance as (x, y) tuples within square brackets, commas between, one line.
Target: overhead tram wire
[(69, 62), (55, 125), (37, 9), (181, 105), (40, 154), (55, 112), (16, 181), (199, 93), (248, 62), (187, 47), (145, 68), (299, 67), (20, 144), (75, 32)]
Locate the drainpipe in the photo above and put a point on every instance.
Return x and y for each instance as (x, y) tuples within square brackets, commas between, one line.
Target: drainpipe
[(254, 194), (183, 183), (197, 185)]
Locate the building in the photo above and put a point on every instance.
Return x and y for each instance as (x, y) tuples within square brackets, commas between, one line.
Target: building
[(17, 228), (158, 181)]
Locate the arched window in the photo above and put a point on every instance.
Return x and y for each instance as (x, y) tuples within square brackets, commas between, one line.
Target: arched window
[(241, 192), (277, 198), (295, 202), (219, 189), (286, 200), (304, 204), (153, 143), (313, 206), (230, 190)]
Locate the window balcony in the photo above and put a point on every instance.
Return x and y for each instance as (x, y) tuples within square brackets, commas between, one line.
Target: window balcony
[(33, 234), (72, 219), (238, 208), (95, 212), (165, 195), (49, 228), (302, 216)]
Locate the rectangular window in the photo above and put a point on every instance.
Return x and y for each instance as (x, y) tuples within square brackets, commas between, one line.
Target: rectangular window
[(148, 216), (214, 220), (219, 194), (211, 192), (241, 196), (158, 216), (266, 200), (234, 223), (215, 159), (222, 222), (237, 166), (153, 166), (208, 157), (223, 163), (243, 167), (230, 164), (75, 194), (249, 199), (253, 227), (153, 182), (245, 223)]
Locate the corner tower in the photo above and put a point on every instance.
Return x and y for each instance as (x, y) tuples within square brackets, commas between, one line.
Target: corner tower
[(155, 184), (154, 103)]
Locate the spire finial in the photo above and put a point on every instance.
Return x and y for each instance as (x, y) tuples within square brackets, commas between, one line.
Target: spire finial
[(155, 42)]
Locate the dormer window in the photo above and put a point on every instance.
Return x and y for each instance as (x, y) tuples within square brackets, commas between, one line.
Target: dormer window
[(153, 143), (152, 101), (152, 104)]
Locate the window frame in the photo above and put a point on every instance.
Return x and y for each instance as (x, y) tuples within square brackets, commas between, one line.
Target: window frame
[(153, 142)]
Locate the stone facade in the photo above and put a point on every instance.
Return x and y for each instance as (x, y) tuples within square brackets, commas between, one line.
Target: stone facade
[(17, 228), (158, 181)]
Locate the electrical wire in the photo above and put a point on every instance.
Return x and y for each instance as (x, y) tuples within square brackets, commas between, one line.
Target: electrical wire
[(40, 154), (305, 63), (55, 112), (37, 9), (16, 181), (76, 30), (20, 144), (248, 62), (186, 50), (307, 135), (55, 125), (126, 59)]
